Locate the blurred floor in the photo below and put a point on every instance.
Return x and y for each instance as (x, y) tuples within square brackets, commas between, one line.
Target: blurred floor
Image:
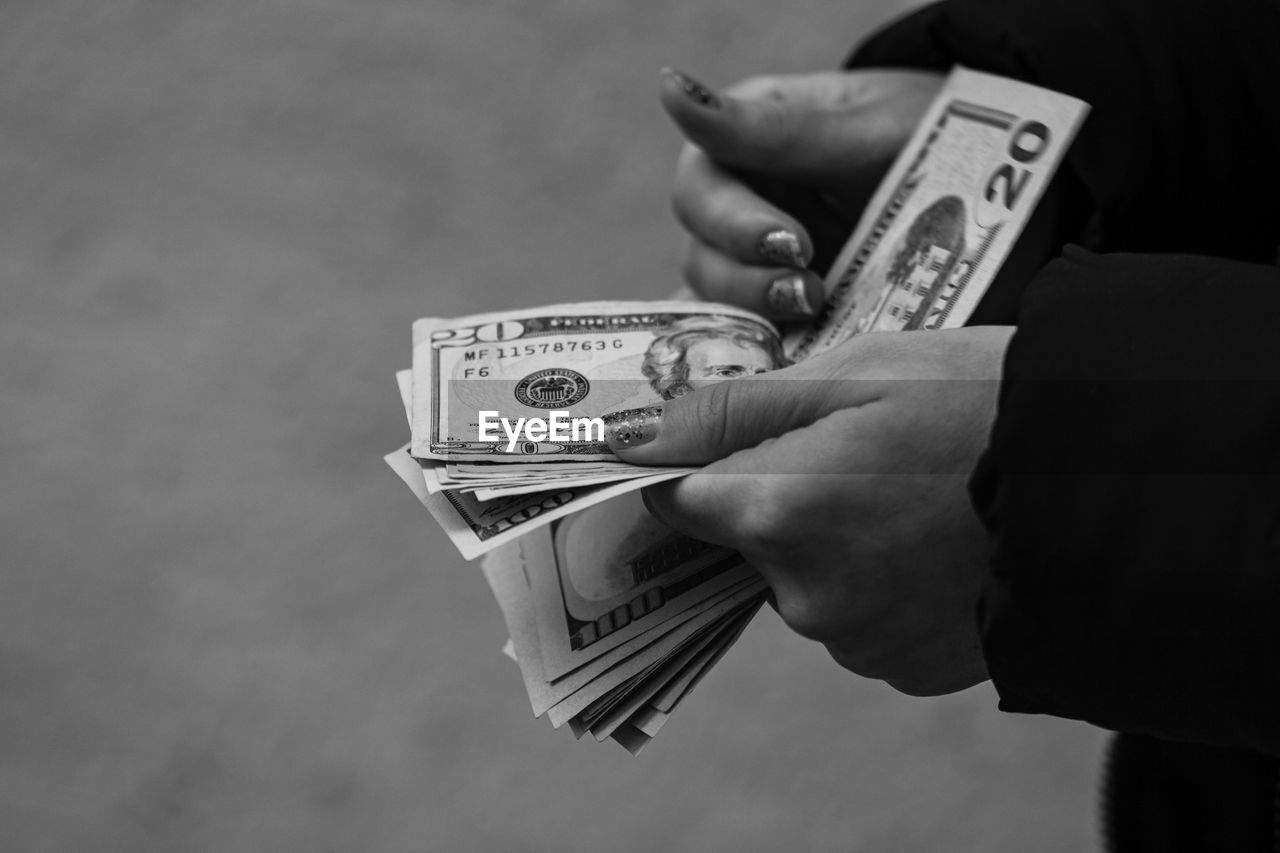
[(224, 625)]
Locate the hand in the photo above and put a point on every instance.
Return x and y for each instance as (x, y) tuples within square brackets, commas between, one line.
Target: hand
[(843, 480), (776, 173)]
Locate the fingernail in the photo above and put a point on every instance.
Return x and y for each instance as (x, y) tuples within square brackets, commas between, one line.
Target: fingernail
[(693, 90), (788, 296), (631, 427), (782, 247)]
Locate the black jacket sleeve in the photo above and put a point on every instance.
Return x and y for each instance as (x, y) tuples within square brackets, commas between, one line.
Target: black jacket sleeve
[(1132, 492), (1132, 482), (1179, 151)]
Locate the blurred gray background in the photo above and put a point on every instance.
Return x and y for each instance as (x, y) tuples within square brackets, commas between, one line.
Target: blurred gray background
[(224, 624)]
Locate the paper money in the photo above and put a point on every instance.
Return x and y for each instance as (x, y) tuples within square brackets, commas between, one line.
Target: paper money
[(613, 572), (614, 617), (476, 527), (592, 684), (606, 718), (584, 360), (948, 212)]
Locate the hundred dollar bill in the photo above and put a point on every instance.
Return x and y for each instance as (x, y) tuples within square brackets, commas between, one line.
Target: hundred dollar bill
[(947, 214), (612, 572), (507, 570), (608, 714), (582, 360)]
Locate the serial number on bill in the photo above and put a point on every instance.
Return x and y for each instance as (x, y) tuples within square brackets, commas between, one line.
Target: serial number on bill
[(526, 350)]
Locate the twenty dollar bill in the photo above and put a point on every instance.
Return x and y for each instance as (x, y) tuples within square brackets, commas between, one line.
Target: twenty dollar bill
[(947, 214)]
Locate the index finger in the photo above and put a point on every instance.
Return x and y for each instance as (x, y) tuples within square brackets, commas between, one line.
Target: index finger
[(722, 211)]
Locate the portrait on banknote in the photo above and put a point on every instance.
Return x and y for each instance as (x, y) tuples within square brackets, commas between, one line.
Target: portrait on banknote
[(692, 352)]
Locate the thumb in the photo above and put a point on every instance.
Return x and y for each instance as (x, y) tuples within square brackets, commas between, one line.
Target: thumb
[(785, 126), (716, 421)]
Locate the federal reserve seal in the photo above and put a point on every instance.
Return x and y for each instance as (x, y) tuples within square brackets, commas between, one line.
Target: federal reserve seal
[(553, 388)]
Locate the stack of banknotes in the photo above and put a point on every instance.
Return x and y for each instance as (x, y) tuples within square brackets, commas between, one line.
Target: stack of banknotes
[(614, 617)]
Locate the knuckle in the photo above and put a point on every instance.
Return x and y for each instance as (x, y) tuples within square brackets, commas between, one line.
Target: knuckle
[(858, 658), (689, 163), (920, 687), (711, 412), (755, 86), (805, 614), (770, 520), (686, 187), (691, 268), (767, 528), (774, 139), (681, 205)]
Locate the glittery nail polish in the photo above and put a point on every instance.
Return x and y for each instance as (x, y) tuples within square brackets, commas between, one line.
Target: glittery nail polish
[(693, 90), (632, 427), (788, 296), (782, 247)]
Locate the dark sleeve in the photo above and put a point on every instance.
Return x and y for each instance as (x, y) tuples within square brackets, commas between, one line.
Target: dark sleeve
[(1132, 492), (1179, 152)]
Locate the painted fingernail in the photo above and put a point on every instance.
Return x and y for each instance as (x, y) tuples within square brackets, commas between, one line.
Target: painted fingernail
[(693, 90), (782, 247), (632, 427), (787, 296)]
